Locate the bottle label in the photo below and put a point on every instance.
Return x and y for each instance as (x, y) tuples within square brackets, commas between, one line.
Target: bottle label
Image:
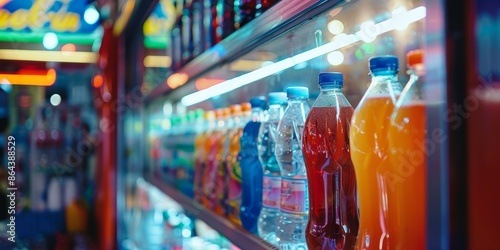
[(294, 196), (209, 179), (234, 192), (271, 191), (219, 194), (293, 246)]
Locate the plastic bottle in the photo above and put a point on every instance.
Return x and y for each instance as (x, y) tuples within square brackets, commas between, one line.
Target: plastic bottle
[(209, 176), (176, 141), (197, 27), (202, 147), (333, 216), (251, 169), (225, 18), (246, 12), (370, 148), (183, 145), (271, 183), (407, 189), (209, 20), (294, 204), (186, 153), (176, 46), (241, 115), (263, 5), (166, 150), (221, 181), (187, 32)]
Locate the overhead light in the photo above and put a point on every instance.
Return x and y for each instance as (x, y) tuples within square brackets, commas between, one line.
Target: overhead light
[(33, 78), (48, 56), (50, 40), (339, 42), (55, 100), (91, 15), (335, 58), (335, 27), (368, 32), (152, 61)]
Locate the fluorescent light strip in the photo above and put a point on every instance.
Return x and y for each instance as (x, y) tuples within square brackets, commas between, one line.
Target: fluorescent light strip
[(340, 41), (48, 56)]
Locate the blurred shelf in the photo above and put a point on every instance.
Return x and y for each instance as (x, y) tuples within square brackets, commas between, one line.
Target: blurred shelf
[(236, 234), (282, 17), (61, 170)]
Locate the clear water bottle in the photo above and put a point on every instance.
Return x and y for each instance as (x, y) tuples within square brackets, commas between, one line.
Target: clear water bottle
[(271, 188), (294, 204)]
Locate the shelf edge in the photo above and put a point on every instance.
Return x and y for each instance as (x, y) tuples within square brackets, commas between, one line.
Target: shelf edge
[(236, 234), (284, 15)]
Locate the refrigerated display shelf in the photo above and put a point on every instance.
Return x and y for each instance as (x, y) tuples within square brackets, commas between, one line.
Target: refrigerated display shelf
[(283, 16), (234, 233)]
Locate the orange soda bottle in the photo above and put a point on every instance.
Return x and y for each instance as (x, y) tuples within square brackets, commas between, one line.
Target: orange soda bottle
[(201, 153), (407, 171), (369, 149), (220, 192), (241, 115), (209, 176)]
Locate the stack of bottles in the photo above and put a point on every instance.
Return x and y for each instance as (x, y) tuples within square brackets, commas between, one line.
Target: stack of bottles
[(323, 177), (201, 24)]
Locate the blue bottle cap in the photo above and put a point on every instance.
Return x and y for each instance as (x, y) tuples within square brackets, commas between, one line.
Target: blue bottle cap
[(334, 79), (387, 64), (277, 98), (258, 102), (297, 92)]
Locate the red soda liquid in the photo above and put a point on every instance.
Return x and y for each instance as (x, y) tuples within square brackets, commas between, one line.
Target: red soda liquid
[(484, 165), (333, 217)]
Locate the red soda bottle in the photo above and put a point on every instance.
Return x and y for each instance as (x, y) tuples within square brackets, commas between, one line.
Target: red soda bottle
[(333, 217)]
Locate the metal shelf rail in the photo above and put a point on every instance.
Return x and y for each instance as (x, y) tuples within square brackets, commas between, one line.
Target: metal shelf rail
[(285, 15), (236, 234)]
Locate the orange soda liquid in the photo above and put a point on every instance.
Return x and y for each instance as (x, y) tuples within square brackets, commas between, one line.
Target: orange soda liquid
[(233, 169), (209, 176), (222, 145), (199, 156), (406, 178), (369, 150)]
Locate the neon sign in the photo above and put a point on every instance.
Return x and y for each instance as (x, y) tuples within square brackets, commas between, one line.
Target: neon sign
[(62, 16)]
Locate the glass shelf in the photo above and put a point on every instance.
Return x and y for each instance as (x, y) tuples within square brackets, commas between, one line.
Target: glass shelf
[(285, 15), (236, 234)]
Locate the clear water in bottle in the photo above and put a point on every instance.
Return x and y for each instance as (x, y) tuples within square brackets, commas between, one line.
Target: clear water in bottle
[(294, 202), (271, 188)]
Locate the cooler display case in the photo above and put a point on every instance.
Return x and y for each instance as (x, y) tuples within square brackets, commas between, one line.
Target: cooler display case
[(289, 45)]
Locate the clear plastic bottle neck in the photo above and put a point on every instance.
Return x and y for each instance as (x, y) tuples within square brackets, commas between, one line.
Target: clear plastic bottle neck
[(257, 114), (275, 112), (296, 101), (384, 73), (386, 77), (330, 89)]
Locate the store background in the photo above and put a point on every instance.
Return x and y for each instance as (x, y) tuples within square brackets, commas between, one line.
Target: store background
[(120, 79)]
